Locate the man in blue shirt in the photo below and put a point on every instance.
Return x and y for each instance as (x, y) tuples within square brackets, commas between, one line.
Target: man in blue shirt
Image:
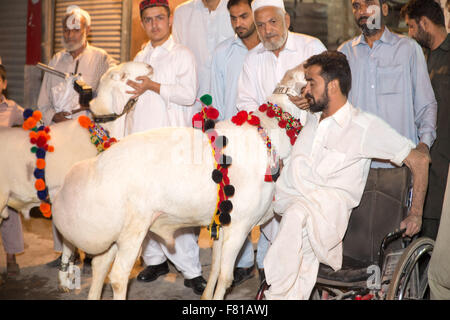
[(226, 67), (390, 77)]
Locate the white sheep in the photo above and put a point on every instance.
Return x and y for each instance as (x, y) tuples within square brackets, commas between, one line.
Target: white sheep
[(160, 180), (72, 143)]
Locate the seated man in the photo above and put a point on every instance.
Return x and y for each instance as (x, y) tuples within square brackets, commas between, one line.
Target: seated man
[(325, 177)]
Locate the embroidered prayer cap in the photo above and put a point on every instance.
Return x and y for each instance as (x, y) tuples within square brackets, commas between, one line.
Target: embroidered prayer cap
[(78, 12), (152, 3), (256, 4)]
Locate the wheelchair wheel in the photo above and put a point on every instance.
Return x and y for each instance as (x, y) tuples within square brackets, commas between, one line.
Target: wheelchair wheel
[(410, 277)]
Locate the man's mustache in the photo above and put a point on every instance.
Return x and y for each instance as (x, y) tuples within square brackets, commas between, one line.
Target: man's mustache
[(362, 18)]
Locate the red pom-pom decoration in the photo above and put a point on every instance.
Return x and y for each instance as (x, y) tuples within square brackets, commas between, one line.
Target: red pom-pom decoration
[(41, 141), (51, 148), (254, 120), (270, 113), (263, 107), (45, 209), (212, 113), (282, 124)]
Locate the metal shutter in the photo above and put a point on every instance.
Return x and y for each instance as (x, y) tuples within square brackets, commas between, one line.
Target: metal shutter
[(13, 36), (106, 25)]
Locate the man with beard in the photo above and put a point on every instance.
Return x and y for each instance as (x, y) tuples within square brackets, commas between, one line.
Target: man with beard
[(226, 66), (266, 64), (390, 77), (279, 51), (77, 57), (426, 23), (165, 101), (325, 177)]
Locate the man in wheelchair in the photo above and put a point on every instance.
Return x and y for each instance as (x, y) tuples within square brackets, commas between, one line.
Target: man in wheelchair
[(325, 178)]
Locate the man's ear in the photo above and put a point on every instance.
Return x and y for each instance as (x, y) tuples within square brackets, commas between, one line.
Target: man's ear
[(423, 22), (170, 21), (385, 9), (287, 19), (333, 86)]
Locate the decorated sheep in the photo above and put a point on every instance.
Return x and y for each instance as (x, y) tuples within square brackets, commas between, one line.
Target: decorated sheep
[(167, 178), (35, 160)]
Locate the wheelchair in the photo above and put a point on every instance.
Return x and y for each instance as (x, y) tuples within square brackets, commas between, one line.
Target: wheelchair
[(378, 263)]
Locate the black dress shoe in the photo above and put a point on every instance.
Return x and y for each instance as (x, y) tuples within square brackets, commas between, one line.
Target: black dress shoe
[(197, 284), (151, 273), (242, 274), (262, 275)]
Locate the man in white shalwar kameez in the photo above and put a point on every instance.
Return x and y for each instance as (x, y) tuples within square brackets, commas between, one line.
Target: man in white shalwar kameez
[(165, 101), (325, 178)]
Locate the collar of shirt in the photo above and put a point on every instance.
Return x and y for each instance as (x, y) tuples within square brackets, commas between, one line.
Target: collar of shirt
[(200, 5), (238, 42), (168, 46), (446, 44), (342, 117), (289, 46), (387, 37)]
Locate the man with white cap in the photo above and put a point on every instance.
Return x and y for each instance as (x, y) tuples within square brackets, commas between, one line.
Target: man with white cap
[(279, 51), (76, 57), (266, 64)]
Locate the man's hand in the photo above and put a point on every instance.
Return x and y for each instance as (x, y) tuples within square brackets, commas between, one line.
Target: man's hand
[(412, 223), (299, 101), (142, 86), (60, 116), (423, 149)]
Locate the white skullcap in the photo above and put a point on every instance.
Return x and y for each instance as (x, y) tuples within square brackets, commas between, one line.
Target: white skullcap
[(256, 4), (76, 10)]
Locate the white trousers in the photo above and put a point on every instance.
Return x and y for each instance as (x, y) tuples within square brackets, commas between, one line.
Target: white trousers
[(290, 265), (186, 256)]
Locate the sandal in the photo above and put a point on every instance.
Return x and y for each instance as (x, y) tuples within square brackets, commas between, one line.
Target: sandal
[(12, 270)]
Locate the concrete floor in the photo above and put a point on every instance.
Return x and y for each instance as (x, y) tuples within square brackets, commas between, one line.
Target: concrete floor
[(37, 281)]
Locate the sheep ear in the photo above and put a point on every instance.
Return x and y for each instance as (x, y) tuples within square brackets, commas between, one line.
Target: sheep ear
[(124, 76), (115, 76)]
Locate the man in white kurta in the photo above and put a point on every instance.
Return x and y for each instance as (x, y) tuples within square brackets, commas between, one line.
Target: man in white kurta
[(57, 98), (78, 56), (267, 63), (166, 101), (325, 178), (201, 25)]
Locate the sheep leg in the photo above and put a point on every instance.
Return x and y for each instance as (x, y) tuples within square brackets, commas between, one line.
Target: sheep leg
[(215, 268), (129, 244), (234, 237), (100, 268), (65, 275)]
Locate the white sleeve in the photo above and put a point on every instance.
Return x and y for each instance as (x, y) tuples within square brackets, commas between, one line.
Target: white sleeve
[(381, 141), (184, 90), (218, 85)]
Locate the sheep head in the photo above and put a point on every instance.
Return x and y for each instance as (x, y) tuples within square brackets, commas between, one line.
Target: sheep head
[(292, 83), (112, 91)]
